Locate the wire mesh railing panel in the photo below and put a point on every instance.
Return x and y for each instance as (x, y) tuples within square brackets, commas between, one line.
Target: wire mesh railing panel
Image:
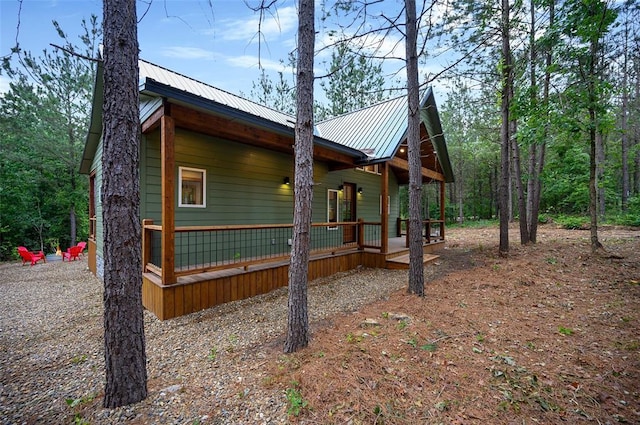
[(372, 234), (217, 247)]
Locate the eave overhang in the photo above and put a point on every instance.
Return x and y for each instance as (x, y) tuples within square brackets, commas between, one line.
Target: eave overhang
[(95, 124), (250, 123)]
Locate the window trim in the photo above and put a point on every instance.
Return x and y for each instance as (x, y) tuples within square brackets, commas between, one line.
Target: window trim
[(204, 187), (376, 169), (336, 208)]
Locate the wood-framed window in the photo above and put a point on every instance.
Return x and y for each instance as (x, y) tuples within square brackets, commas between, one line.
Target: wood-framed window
[(192, 187), (332, 207), (373, 169)]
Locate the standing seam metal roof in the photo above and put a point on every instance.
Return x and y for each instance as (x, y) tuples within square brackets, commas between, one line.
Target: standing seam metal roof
[(376, 130), (189, 85)]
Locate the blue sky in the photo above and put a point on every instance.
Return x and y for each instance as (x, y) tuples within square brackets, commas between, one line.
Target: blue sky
[(217, 43)]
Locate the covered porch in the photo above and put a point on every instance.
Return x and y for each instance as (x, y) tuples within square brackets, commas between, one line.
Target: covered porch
[(220, 264), (190, 268)]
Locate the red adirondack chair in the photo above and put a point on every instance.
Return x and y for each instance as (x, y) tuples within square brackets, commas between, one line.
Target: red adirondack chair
[(82, 246), (72, 253), (32, 257)]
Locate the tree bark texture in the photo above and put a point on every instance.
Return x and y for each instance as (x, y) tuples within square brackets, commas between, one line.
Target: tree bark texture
[(624, 128), (539, 167), (517, 177), (636, 133), (505, 138), (298, 317), (124, 342), (533, 148), (593, 183), (593, 151), (416, 255)]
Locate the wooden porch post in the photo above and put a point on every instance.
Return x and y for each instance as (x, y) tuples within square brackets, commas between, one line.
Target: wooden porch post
[(146, 243), (168, 158), (442, 215), (384, 205)]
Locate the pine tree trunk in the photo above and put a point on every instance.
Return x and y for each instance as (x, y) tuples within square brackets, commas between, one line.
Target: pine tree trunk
[(593, 151), (505, 138), (522, 204), (593, 184), (416, 255), (600, 164), (460, 199), (533, 148), (537, 184), (636, 134), (73, 224), (298, 320), (124, 343), (624, 137)]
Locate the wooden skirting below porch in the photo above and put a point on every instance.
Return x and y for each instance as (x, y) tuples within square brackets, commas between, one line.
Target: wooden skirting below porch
[(200, 291), (91, 255)]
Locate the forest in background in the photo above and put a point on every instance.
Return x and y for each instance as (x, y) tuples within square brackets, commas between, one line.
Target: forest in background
[(575, 73)]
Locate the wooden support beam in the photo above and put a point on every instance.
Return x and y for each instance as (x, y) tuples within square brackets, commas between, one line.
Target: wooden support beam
[(238, 131), (384, 205), (146, 243), (168, 160), (442, 211), (153, 121), (404, 164)]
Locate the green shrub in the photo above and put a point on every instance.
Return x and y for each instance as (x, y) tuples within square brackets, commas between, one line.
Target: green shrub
[(572, 222), (628, 219), (295, 399)]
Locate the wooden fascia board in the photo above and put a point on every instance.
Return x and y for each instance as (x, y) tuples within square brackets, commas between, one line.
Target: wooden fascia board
[(404, 164), (153, 121), (233, 129)]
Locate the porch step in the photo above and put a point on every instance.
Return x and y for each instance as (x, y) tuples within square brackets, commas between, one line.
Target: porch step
[(401, 262)]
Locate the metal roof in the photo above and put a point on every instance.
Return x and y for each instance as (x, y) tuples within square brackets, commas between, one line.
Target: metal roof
[(371, 134), (376, 130), (379, 130), (181, 82)]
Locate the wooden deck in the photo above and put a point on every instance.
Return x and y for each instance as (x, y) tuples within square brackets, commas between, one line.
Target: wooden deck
[(200, 291), (402, 261)]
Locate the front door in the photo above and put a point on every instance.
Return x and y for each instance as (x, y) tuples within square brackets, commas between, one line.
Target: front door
[(349, 211)]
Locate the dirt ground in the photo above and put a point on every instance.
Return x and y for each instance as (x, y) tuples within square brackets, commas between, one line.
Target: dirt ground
[(548, 335)]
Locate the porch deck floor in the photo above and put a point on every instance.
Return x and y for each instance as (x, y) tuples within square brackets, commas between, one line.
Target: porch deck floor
[(402, 261)]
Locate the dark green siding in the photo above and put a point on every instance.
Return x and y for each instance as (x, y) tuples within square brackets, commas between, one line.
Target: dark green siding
[(244, 185)]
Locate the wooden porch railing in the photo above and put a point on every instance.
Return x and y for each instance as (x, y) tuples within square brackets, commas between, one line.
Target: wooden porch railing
[(433, 230), (200, 249)]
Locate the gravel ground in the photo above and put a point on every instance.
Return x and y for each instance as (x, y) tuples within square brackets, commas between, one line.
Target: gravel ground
[(202, 368)]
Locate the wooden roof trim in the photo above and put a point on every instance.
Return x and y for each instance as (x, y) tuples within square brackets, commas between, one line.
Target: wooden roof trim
[(153, 121), (404, 165), (235, 130)]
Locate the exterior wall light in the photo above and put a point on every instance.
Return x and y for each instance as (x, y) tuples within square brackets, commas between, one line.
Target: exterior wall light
[(286, 181), (360, 190)]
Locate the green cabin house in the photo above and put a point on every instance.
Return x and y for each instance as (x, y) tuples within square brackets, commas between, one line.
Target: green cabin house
[(216, 201)]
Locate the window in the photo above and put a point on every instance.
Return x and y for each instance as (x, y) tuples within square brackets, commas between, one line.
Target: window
[(192, 187), (332, 207), (374, 169)]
